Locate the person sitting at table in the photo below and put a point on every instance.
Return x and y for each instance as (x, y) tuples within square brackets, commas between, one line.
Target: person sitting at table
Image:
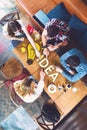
[(28, 90), (55, 36), (17, 32), (75, 65)]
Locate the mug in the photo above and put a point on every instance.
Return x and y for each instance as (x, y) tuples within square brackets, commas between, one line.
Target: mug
[(68, 86)]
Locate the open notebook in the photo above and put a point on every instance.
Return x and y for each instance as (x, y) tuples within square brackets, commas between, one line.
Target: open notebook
[(41, 18)]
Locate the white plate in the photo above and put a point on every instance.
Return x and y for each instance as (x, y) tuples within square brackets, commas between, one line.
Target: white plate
[(52, 88)]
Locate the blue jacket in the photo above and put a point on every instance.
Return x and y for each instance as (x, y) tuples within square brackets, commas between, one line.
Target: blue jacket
[(81, 68)]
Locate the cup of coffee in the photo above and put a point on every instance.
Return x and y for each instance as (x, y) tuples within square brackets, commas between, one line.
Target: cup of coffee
[(60, 88), (68, 86)]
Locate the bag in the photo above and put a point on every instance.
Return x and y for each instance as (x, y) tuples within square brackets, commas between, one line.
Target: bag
[(30, 29), (50, 112)]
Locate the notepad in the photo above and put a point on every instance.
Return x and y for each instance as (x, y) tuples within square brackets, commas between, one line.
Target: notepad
[(41, 18)]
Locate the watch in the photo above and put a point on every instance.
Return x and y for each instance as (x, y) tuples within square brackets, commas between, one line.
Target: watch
[(44, 46)]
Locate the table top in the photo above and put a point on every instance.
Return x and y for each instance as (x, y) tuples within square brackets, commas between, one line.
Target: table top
[(65, 101)]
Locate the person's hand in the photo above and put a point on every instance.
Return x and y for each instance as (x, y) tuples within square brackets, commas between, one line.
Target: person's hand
[(37, 53), (42, 74), (71, 72), (46, 52), (37, 36), (59, 69), (51, 48), (1, 81), (22, 39)]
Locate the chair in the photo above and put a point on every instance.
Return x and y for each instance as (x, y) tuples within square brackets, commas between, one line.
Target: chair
[(12, 70), (49, 116), (84, 80), (11, 16)]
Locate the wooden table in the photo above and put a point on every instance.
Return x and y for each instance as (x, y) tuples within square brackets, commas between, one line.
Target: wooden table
[(68, 100), (65, 101)]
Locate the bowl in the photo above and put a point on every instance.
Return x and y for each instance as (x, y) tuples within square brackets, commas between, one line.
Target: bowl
[(52, 88), (74, 89)]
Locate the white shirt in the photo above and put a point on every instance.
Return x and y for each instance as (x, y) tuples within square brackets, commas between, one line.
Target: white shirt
[(28, 98)]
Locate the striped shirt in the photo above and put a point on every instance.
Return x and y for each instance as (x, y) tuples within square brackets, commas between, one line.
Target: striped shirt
[(64, 30)]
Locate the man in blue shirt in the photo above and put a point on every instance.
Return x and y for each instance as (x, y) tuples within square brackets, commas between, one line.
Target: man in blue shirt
[(75, 65)]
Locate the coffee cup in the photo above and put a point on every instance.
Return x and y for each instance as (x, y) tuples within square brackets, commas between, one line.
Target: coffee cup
[(68, 86)]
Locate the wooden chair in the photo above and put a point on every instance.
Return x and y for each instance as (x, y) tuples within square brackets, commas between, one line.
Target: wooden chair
[(84, 80), (41, 120), (11, 16)]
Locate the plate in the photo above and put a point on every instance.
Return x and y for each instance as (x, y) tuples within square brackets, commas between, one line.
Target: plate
[(52, 88)]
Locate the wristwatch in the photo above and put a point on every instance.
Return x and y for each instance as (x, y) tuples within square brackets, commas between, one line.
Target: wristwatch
[(44, 46)]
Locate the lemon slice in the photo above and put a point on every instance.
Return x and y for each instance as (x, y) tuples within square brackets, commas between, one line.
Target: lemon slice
[(23, 49)]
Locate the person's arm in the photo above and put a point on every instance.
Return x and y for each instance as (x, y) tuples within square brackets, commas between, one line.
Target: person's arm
[(44, 37), (62, 44), (15, 38), (42, 75), (40, 85), (70, 77), (54, 47), (44, 40), (73, 78)]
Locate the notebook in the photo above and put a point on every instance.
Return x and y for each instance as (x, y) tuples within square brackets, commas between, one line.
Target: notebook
[(41, 18)]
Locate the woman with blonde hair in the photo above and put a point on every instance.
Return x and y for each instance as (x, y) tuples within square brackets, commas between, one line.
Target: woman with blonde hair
[(28, 90)]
